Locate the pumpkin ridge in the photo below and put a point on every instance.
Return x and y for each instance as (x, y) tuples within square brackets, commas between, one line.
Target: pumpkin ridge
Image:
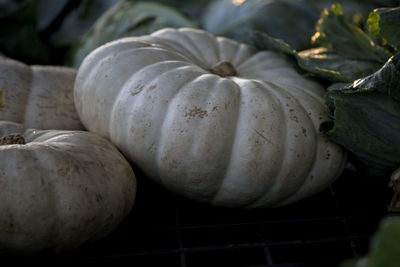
[(176, 48), (26, 73), (314, 160), (242, 54), (222, 44), (250, 196), (235, 134), (30, 94), (306, 189), (54, 206), (126, 91), (309, 93), (216, 177), (146, 84), (127, 86), (279, 168), (192, 47), (161, 131), (280, 93), (94, 72), (212, 56)]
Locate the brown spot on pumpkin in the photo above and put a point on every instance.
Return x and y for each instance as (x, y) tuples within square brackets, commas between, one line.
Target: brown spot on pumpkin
[(137, 89), (195, 112), (304, 131), (2, 104), (328, 154), (294, 118), (99, 198)]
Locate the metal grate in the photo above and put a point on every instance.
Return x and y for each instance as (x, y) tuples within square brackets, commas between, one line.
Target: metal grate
[(167, 230)]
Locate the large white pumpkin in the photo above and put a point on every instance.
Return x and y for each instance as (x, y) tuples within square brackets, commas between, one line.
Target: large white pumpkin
[(210, 118), (38, 96), (60, 189)]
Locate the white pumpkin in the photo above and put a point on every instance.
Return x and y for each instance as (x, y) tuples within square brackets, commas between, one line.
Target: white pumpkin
[(38, 96), (60, 189), (210, 118)]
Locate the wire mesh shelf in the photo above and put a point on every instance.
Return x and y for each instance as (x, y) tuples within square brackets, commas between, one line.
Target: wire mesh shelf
[(164, 229)]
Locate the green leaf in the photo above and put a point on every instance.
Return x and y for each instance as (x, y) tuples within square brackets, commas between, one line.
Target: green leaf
[(127, 18), (347, 40), (263, 41), (385, 22), (323, 62), (384, 247), (320, 62), (386, 80), (367, 119)]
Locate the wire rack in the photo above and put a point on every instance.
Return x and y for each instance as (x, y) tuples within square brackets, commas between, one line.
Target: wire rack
[(164, 229)]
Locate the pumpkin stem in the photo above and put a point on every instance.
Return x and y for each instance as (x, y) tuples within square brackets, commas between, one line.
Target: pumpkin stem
[(12, 139), (223, 69)]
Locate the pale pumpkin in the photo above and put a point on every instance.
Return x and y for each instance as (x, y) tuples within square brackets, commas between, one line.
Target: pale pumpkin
[(210, 118), (38, 96), (60, 189)]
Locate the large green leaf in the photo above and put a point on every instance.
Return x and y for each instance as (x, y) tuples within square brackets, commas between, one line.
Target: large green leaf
[(127, 18), (367, 118), (325, 63), (319, 62), (345, 52)]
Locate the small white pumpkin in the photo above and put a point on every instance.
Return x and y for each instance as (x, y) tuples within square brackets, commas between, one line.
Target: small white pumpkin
[(38, 96), (210, 118), (60, 189)]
